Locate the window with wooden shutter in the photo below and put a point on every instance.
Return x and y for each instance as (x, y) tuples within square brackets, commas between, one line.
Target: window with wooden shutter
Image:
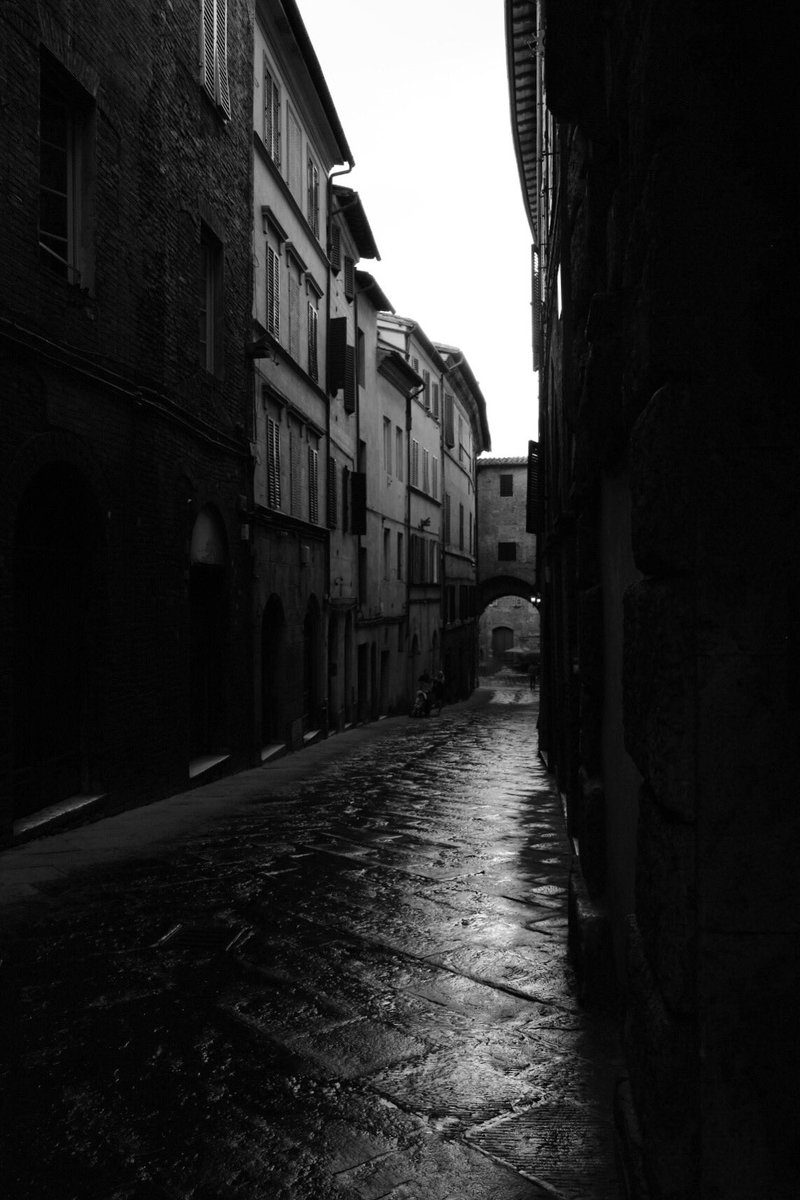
[(312, 195), (272, 292), (426, 470), (350, 386), (294, 312), (313, 362), (435, 477), (345, 498), (447, 518), (313, 485), (273, 464), (349, 277), (337, 343), (336, 249), (387, 445), (294, 155), (461, 526), (272, 115), (332, 498), (295, 479), (414, 470), (400, 566), (398, 451), (358, 507), (426, 395), (435, 404), (214, 53)]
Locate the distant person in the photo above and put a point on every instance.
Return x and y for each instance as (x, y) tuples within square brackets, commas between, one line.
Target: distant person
[(532, 676)]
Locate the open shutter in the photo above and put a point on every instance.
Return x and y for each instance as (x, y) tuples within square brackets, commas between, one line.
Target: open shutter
[(332, 498), (449, 432), (350, 379), (223, 83), (349, 277), (336, 248)]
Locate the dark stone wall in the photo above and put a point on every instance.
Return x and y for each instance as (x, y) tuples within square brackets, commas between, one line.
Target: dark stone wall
[(671, 372), (108, 379)]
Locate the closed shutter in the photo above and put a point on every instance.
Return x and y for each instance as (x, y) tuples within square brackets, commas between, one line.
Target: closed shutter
[(414, 480), (313, 360), (336, 248), (358, 509), (349, 278), (207, 49), (337, 344), (214, 53), (345, 498), (350, 379), (273, 464), (426, 395), (294, 470), (332, 499), (273, 293), (313, 485)]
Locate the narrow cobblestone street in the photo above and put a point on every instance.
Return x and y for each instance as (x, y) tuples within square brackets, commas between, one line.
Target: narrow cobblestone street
[(354, 985)]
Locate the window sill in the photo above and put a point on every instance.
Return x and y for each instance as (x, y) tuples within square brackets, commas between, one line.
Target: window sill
[(206, 762), (273, 750), (56, 816)]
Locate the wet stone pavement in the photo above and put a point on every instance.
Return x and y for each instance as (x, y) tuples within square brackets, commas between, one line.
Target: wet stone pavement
[(356, 988)]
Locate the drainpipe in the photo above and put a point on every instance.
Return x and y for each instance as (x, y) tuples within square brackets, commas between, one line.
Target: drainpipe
[(328, 581)]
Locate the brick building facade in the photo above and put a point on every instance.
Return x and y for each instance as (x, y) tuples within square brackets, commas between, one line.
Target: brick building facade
[(125, 444)]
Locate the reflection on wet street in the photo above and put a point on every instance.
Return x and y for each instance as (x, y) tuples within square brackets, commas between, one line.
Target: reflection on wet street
[(357, 988)]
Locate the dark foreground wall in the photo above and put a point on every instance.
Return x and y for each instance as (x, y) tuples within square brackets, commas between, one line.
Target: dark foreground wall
[(671, 444)]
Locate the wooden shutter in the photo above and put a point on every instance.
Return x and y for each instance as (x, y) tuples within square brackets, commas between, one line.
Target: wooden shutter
[(336, 248), (332, 504), (273, 464), (350, 385), (294, 313), (337, 344), (313, 361), (313, 485), (358, 493), (349, 277), (272, 115), (223, 83), (273, 293), (207, 47)]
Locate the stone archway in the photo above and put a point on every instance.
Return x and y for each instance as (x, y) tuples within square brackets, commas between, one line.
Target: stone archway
[(59, 618)]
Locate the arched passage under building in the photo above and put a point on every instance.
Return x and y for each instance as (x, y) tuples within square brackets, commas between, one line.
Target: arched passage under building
[(508, 628)]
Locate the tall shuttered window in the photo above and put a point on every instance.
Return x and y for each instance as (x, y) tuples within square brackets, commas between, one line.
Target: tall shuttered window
[(273, 292), (414, 470), (313, 485), (332, 498), (272, 115), (273, 463), (313, 353), (214, 53), (312, 195)]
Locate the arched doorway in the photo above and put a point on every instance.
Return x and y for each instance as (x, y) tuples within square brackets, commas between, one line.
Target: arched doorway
[(59, 616), (273, 668), (208, 635)]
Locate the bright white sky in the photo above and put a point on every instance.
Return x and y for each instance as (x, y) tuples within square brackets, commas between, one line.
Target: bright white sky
[(422, 94)]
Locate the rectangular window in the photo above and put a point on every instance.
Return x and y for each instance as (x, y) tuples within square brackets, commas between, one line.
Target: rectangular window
[(400, 570), (398, 451), (426, 471), (294, 310), (273, 292), (435, 401), (506, 485), (312, 195), (461, 526), (507, 551), (387, 445), (435, 478), (470, 533), (66, 168), (313, 361), (360, 357), (273, 463), (386, 552), (272, 115), (345, 498), (426, 395), (210, 301), (294, 154), (414, 473), (214, 53), (447, 518), (313, 485)]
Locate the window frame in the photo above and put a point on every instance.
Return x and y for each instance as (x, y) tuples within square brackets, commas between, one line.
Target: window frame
[(214, 54)]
